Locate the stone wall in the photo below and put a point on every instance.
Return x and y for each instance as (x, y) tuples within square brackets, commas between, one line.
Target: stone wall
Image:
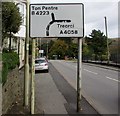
[(11, 90)]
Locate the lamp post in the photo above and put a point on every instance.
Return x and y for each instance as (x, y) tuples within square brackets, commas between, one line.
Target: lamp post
[(26, 67)]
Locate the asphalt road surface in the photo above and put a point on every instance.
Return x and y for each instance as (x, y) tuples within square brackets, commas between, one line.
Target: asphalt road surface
[(99, 85), (54, 95)]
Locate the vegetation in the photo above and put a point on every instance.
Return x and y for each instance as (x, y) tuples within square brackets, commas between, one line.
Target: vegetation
[(115, 50), (97, 44), (72, 50), (10, 61), (59, 48), (94, 48), (11, 20), (87, 52)]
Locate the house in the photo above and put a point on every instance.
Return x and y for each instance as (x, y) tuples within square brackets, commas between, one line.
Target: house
[(21, 34)]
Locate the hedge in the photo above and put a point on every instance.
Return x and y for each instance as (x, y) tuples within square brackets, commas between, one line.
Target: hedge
[(9, 62)]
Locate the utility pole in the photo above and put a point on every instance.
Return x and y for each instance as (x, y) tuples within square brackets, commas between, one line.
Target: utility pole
[(26, 70), (79, 75), (108, 54)]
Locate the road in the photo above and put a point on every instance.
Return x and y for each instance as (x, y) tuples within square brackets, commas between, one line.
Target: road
[(99, 85), (54, 95)]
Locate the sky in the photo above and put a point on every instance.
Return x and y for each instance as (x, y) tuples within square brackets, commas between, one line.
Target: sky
[(94, 13)]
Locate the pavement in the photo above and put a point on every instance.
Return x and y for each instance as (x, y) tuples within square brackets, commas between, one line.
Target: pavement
[(53, 95), (48, 98)]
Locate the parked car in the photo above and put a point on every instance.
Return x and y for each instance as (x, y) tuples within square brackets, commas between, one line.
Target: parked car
[(43, 58), (41, 64)]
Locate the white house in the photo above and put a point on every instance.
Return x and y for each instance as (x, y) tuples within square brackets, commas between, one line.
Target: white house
[(21, 34)]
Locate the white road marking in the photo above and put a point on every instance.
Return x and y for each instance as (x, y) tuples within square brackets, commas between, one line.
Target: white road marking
[(91, 71), (112, 79)]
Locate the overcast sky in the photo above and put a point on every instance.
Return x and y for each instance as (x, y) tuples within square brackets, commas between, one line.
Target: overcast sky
[(94, 13)]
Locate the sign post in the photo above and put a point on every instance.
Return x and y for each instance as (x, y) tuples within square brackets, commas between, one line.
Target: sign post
[(60, 20), (79, 75), (32, 78)]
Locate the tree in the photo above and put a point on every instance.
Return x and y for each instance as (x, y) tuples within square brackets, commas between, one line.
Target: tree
[(58, 48), (72, 47), (115, 50), (44, 47), (87, 52), (11, 20), (72, 50), (98, 42), (67, 40)]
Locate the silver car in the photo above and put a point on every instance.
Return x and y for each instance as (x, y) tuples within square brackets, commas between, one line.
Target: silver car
[(41, 64)]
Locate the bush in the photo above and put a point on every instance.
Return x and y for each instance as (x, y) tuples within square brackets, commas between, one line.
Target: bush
[(9, 61), (4, 72)]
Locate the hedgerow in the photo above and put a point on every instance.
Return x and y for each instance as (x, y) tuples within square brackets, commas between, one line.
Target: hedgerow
[(9, 62)]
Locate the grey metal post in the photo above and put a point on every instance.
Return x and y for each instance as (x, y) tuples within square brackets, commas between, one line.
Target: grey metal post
[(26, 70), (79, 74), (32, 78)]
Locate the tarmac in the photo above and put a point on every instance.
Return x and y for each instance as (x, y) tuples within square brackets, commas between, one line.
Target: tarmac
[(53, 95), (48, 97)]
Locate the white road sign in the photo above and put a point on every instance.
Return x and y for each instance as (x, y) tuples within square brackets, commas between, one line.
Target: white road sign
[(41, 51), (56, 20)]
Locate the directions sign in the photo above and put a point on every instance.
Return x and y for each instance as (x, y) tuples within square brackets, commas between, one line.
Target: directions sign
[(56, 20)]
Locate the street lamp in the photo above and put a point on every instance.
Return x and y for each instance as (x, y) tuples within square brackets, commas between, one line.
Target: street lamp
[(26, 67)]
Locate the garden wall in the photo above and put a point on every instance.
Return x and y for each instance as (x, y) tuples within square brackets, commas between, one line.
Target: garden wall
[(11, 90)]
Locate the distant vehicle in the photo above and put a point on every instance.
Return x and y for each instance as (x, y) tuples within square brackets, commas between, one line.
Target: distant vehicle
[(41, 64)]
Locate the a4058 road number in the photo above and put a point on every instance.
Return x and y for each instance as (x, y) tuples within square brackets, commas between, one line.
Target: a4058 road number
[(68, 31)]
